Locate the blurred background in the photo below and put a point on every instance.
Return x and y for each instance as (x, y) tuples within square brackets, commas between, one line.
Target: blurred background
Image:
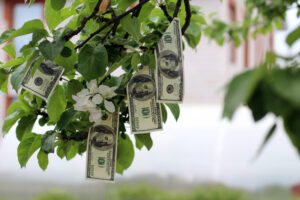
[(201, 156)]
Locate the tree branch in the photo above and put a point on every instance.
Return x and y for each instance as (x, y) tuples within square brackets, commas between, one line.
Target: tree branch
[(80, 138), (83, 22), (111, 21), (177, 8), (164, 9), (188, 16)]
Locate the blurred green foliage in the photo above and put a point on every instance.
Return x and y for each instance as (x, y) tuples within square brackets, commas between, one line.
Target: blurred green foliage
[(143, 191), (55, 195)]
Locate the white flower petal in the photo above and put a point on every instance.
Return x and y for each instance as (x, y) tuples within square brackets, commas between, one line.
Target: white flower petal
[(83, 92), (81, 101), (109, 106), (97, 99), (110, 95), (91, 106), (95, 116), (80, 108), (103, 89), (92, 86)]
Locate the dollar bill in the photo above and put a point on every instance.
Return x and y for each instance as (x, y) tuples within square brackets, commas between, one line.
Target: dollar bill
[(102, 149), (169, 61), (144, 111), (43, 81)]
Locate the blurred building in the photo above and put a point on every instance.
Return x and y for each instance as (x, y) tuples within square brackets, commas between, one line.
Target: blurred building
[(207, 69), (295, 190)]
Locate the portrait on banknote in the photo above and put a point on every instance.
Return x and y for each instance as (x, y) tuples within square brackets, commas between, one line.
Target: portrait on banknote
[(103, 138), (43, 81), (142, 87), (168, 63)]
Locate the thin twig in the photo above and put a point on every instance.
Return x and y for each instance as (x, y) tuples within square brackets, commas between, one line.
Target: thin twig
[(188, 16), (82, 137), (177, 8), (108, 32), (113, 20), (164, 9), (102, 19), (83, 22)]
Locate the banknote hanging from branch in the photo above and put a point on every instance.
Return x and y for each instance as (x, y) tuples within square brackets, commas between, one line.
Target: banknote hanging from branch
[(69, 84)]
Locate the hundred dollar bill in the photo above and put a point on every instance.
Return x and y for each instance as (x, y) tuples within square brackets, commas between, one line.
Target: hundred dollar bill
[(44, 79), (169, 61), (102, 149), (144, 111)]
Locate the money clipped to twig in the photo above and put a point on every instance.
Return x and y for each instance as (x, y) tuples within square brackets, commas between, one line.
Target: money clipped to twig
[(144, 111), (102, 149), (169, 61), (43, 80)]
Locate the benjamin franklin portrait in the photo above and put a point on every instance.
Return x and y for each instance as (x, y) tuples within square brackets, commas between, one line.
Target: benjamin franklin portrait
[(47, 70), (169, 64), (142, 87), (102, 137)]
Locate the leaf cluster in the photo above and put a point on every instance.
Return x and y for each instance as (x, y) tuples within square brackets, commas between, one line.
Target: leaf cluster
[(268, 89), (92, 44)]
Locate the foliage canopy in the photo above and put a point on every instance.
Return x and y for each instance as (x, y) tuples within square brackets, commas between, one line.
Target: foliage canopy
[(95, 40)]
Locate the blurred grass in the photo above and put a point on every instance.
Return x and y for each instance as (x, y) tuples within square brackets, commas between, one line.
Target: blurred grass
[(144, 188), (144, 191)]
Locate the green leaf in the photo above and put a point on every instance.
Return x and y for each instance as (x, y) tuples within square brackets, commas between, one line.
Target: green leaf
[(43, 159), (266, 140), (10, 49), (293, 36), (116, 65), (60, 152), (36, 64), (48, 141), (54, 17), (240, 89), (124, 4), (11, 119), (292, 128), (286, 83), (27, 28), (65, 118), (14, 107), (13, 63), (164, 112), (175, 109), (92, 61), (73, 87), (57, 104), (58, 4), (27, 147), (52, 49), (69, 62), (132, 26), (145, 140), (125, 153), (3, 81), (38, 35), (145, 11), (135, 60), (257, 103), (193, 34), (71, 149), (25, 126), (5, 35), (17, 77)]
